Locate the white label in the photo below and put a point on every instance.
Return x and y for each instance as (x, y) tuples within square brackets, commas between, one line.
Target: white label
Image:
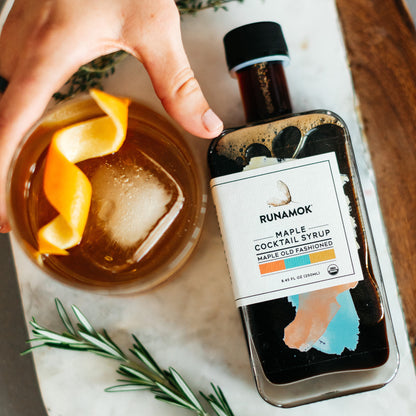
[(286, 229)]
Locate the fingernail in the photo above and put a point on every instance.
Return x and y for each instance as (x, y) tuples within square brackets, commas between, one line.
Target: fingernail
[(212, 122)]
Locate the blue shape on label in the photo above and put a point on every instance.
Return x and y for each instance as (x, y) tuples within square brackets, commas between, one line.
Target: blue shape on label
[(342, 332), (297, 261)]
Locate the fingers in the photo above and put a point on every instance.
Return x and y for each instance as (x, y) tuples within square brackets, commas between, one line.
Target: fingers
[(4, 225), (163, 55), (183, 99), (43, 47), (38, 74), (180, 93), (18, 111)]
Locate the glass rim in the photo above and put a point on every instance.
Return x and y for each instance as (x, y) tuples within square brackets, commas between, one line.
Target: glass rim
[(138, 285)]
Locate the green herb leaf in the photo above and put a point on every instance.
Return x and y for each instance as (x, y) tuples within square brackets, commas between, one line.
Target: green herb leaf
[(83, 322), (125, 387), (182, 386), (64, 317), (142, 374), (218, 402)]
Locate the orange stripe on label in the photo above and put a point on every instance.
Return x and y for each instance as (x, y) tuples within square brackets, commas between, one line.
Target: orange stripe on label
[(273, 266), (322, 256)]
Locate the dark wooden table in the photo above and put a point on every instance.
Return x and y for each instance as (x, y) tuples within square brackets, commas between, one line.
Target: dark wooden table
[(380, 38)]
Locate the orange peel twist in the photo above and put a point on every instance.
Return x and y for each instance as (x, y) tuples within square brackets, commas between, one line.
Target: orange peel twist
[(66, 187)]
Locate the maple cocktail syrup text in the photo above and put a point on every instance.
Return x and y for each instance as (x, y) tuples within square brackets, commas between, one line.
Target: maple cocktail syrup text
[(283, 238), (304, 270)]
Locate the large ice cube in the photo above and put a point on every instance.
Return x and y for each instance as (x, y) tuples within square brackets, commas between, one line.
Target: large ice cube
[(133, 204)]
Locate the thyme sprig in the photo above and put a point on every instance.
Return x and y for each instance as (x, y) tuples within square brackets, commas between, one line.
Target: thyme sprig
[(141, 372), (92, 74), (194, 6)]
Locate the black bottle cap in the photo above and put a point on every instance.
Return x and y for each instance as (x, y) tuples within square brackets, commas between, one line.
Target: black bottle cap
[(255, 43)]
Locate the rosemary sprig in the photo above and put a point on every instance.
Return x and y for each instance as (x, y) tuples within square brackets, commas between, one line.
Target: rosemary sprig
[(138, 373), (91, 75)]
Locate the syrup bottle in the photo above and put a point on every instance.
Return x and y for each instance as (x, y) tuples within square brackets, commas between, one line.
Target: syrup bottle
[(296, 235)]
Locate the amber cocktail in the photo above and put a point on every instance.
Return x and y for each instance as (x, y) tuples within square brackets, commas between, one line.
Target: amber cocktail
[(147, 205)]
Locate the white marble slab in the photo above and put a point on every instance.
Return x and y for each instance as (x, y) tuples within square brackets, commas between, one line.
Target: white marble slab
[(192, 323)]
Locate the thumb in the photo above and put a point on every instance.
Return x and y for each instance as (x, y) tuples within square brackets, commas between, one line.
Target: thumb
[(176, 86)]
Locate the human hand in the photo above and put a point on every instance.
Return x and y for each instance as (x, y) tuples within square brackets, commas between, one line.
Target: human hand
[(44, 42)]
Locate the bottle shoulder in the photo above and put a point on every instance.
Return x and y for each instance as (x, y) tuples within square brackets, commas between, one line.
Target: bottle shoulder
[(291, 136)]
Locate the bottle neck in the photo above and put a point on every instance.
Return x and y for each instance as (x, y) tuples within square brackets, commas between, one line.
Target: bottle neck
[(264, 91)]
